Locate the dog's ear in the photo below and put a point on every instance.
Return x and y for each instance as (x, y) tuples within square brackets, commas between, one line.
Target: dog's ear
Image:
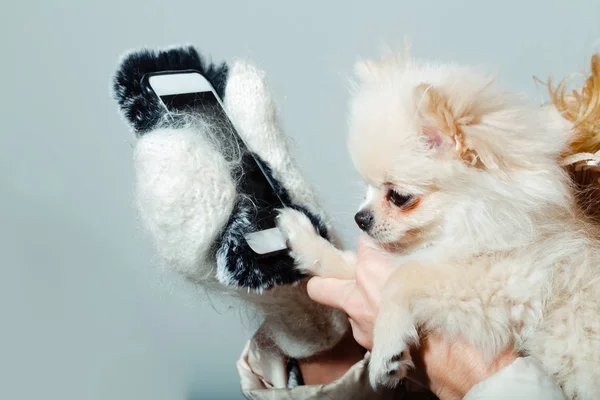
[(443, 126), (436, 138)]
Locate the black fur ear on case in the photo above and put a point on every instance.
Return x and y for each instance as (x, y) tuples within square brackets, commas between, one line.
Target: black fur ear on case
[(140, 106), (237, 264)]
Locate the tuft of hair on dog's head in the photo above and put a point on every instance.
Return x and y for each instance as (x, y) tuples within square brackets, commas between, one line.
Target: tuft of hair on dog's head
[(451, 157)]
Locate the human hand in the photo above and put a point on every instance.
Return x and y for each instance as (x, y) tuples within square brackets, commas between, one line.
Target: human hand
[(359, 298), (451, 368), (448, 368)]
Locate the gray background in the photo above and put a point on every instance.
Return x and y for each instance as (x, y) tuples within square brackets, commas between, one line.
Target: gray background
[(85, 314)]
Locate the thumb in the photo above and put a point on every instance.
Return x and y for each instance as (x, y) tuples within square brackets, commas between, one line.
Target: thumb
[(330, 292)]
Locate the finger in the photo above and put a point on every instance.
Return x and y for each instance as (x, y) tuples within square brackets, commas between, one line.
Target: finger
[(374, 265), (330, 292), (360, 336)]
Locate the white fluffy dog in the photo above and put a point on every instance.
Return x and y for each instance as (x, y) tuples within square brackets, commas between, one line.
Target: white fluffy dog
[(465, 191)]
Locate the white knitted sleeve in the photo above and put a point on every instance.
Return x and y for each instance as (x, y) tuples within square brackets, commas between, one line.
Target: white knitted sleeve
[(184, 194)]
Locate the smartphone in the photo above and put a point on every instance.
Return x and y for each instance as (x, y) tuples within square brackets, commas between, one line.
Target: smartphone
[(190, 91)]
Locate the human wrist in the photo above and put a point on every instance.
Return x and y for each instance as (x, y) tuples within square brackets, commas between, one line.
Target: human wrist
[(480, 371), (452, 368)]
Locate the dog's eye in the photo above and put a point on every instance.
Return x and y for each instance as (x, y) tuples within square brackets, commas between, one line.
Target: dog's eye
[(398, 199)]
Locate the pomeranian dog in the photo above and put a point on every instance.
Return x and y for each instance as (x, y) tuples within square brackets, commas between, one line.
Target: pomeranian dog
[(465, 191)]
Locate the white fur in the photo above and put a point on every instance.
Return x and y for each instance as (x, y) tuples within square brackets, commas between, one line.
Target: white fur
[(493, 251)]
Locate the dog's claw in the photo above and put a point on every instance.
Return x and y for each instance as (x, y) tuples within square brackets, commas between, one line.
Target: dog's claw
[(388, 370)]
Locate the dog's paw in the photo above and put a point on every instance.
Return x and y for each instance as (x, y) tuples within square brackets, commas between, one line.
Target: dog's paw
[(302, 238), (389, 364)]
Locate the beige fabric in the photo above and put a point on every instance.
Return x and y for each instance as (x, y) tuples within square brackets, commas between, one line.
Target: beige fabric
[(262, 370), (263, 376)]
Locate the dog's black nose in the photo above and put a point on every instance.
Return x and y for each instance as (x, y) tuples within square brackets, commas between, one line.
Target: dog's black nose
[(364, 220)]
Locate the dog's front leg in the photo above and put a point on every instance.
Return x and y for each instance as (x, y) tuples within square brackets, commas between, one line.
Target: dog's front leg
[(400, 314), (395, 329), (445, 299), (314, 254)]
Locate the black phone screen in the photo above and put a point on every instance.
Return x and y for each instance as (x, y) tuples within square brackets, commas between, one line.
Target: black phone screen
[(252, 179)]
